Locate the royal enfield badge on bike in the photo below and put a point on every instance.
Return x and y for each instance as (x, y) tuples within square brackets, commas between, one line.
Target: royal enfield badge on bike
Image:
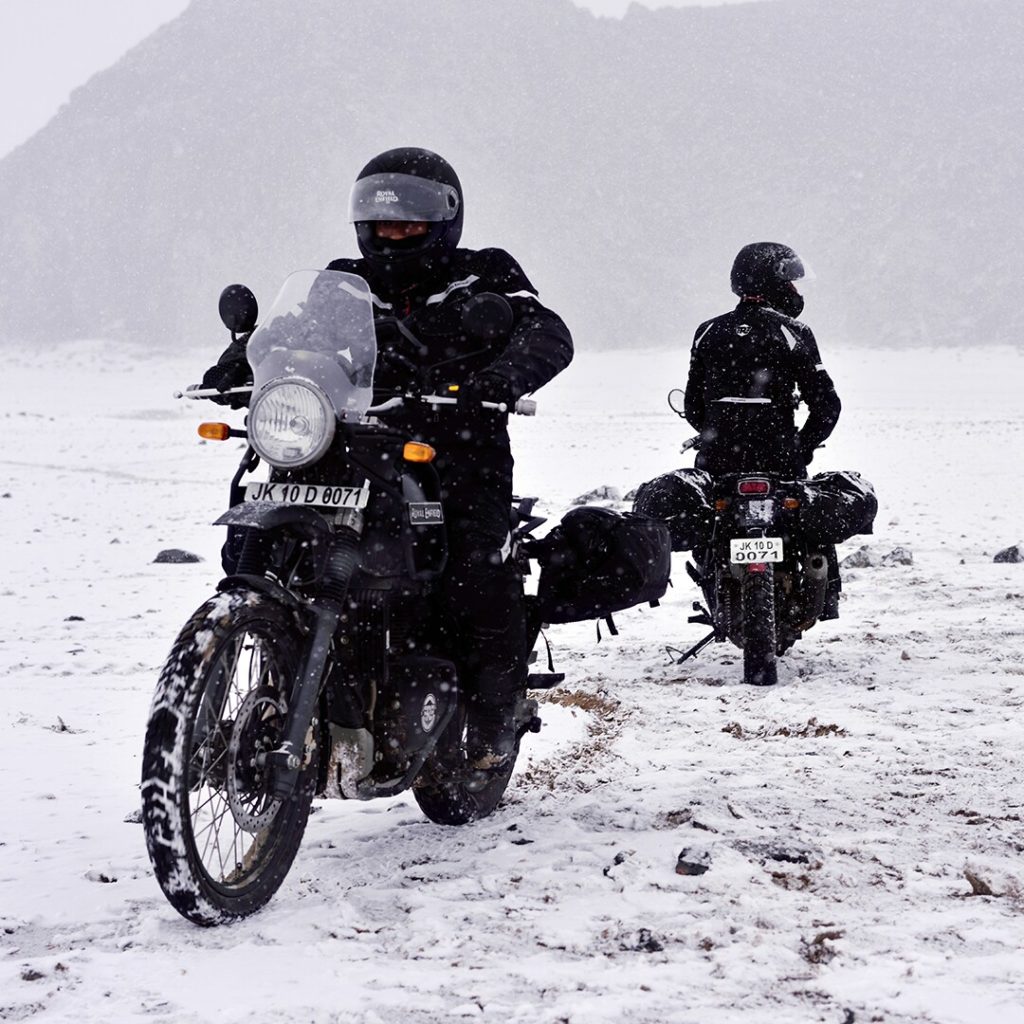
[(425, 513)]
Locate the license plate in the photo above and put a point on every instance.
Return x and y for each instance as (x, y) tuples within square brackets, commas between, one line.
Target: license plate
[(309, 494), (755, 549)]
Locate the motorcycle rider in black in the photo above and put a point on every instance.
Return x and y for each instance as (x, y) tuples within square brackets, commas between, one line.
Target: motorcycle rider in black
[(407, 207), (746, 366)]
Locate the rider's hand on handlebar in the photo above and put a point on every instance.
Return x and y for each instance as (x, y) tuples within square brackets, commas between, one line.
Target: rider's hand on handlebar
[(485, 387), (223, 377)]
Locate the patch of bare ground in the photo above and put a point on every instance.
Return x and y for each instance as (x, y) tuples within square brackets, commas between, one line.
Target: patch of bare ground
[(604, 724), (812, 729)]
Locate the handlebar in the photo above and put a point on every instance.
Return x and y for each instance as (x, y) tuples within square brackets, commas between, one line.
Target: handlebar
[(523, 407)]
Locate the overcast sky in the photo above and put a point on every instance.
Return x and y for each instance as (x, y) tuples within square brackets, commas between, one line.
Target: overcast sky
[(49, 47)]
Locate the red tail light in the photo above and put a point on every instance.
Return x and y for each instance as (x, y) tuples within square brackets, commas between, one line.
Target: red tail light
[(753, 486)]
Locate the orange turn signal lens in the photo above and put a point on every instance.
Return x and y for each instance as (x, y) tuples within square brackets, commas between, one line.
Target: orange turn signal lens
[(214, 431), (721, 504), (791, 503), (416, 452), (453, 388)]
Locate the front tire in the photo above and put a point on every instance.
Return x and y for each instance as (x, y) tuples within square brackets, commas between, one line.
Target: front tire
[(220, 844), (759, 668)]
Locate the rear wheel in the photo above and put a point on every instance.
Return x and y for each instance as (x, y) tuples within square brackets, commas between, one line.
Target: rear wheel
[(759, 667), (448, 792), (220, 842)]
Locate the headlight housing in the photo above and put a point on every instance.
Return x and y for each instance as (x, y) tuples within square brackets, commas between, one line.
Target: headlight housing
[(291, 424)]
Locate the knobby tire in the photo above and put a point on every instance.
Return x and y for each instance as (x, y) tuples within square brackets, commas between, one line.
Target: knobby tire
[(759, 637), (220, 845)]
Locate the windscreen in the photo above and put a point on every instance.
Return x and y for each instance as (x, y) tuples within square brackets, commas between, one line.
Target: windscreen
[(320, 329)]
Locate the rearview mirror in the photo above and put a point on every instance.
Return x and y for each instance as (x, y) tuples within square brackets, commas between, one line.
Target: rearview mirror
[(238, 308)]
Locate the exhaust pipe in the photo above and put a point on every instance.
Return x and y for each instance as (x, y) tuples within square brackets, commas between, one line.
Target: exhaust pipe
[(816, 573)]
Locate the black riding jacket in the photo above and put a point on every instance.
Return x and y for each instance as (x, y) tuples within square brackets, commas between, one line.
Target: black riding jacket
[(538, 347), (746, 369)]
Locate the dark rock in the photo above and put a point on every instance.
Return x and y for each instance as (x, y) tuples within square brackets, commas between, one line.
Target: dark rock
[(646, 942), (693, 862), (1010, 554), (176, 556), (75, 618)]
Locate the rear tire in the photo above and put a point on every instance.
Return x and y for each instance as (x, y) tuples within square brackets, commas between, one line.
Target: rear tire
[(759, 667), (219, 843), (447, 791)]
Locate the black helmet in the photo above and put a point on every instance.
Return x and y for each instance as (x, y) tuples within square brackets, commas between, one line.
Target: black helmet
[(766, 271), (407, 185)]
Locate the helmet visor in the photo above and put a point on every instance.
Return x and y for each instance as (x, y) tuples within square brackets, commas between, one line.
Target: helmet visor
[(402, 197)]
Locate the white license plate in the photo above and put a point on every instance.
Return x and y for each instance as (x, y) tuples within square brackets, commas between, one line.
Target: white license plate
[(755, 549), (309, 494)]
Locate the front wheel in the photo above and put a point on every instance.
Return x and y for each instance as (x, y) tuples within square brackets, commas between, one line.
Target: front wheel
[(759, 667), (220, 842)]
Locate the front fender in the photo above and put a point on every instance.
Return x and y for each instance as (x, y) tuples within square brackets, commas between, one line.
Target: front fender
[(268, 515)]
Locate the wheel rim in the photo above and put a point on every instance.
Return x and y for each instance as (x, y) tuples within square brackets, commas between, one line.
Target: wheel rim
[(240, 716)]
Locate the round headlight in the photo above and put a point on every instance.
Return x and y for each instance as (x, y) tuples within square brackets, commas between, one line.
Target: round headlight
[(291, 424)]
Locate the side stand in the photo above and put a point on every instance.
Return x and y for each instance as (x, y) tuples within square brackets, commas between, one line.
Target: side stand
[(703, 617), (693, 651)]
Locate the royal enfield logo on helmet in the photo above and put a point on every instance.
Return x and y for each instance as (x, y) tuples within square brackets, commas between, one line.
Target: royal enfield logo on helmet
[(386, 196)]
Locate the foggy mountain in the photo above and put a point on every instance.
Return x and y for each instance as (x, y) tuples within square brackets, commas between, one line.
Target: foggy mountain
[(622, 162)]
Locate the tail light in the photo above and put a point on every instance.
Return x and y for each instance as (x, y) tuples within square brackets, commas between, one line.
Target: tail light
[(753, 486)]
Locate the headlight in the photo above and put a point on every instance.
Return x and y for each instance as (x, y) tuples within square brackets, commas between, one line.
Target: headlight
[(291, 424)]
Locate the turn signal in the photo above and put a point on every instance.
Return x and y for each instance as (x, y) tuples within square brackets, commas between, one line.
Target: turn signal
[(453, 388), (416, 452), (791, 503), (721, 504), (214, 431)]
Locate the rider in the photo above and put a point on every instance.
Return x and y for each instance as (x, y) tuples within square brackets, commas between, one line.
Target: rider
[(407, 208), (744, 369)]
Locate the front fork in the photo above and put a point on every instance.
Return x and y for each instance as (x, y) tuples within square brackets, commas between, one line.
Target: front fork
[(286, 762)]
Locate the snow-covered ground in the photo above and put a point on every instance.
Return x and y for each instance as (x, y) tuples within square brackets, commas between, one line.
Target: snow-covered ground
[(862, 820)]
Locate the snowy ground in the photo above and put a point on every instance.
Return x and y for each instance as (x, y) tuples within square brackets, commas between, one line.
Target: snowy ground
[(850, 815)]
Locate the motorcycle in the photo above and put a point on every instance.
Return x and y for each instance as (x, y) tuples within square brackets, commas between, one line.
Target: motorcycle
[(763, 586), (314, 669)]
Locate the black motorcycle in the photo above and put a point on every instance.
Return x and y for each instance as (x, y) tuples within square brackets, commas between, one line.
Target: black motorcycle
[(315, 667), (762, 585)]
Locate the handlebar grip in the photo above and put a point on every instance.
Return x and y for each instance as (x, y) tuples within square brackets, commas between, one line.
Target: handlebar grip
[(526, 407), (196, 391)]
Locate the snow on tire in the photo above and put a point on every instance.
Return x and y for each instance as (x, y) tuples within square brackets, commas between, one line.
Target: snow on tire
[(220, 845)]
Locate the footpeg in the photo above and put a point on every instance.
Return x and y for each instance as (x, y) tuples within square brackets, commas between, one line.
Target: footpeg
[(544, 680)]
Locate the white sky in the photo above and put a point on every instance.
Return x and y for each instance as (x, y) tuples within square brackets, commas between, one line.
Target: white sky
[(49, 47)]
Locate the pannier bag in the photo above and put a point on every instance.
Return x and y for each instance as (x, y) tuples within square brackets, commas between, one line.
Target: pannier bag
[(598, 561)]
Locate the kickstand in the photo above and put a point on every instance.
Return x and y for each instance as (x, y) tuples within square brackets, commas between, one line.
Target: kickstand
[(693, 651)]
